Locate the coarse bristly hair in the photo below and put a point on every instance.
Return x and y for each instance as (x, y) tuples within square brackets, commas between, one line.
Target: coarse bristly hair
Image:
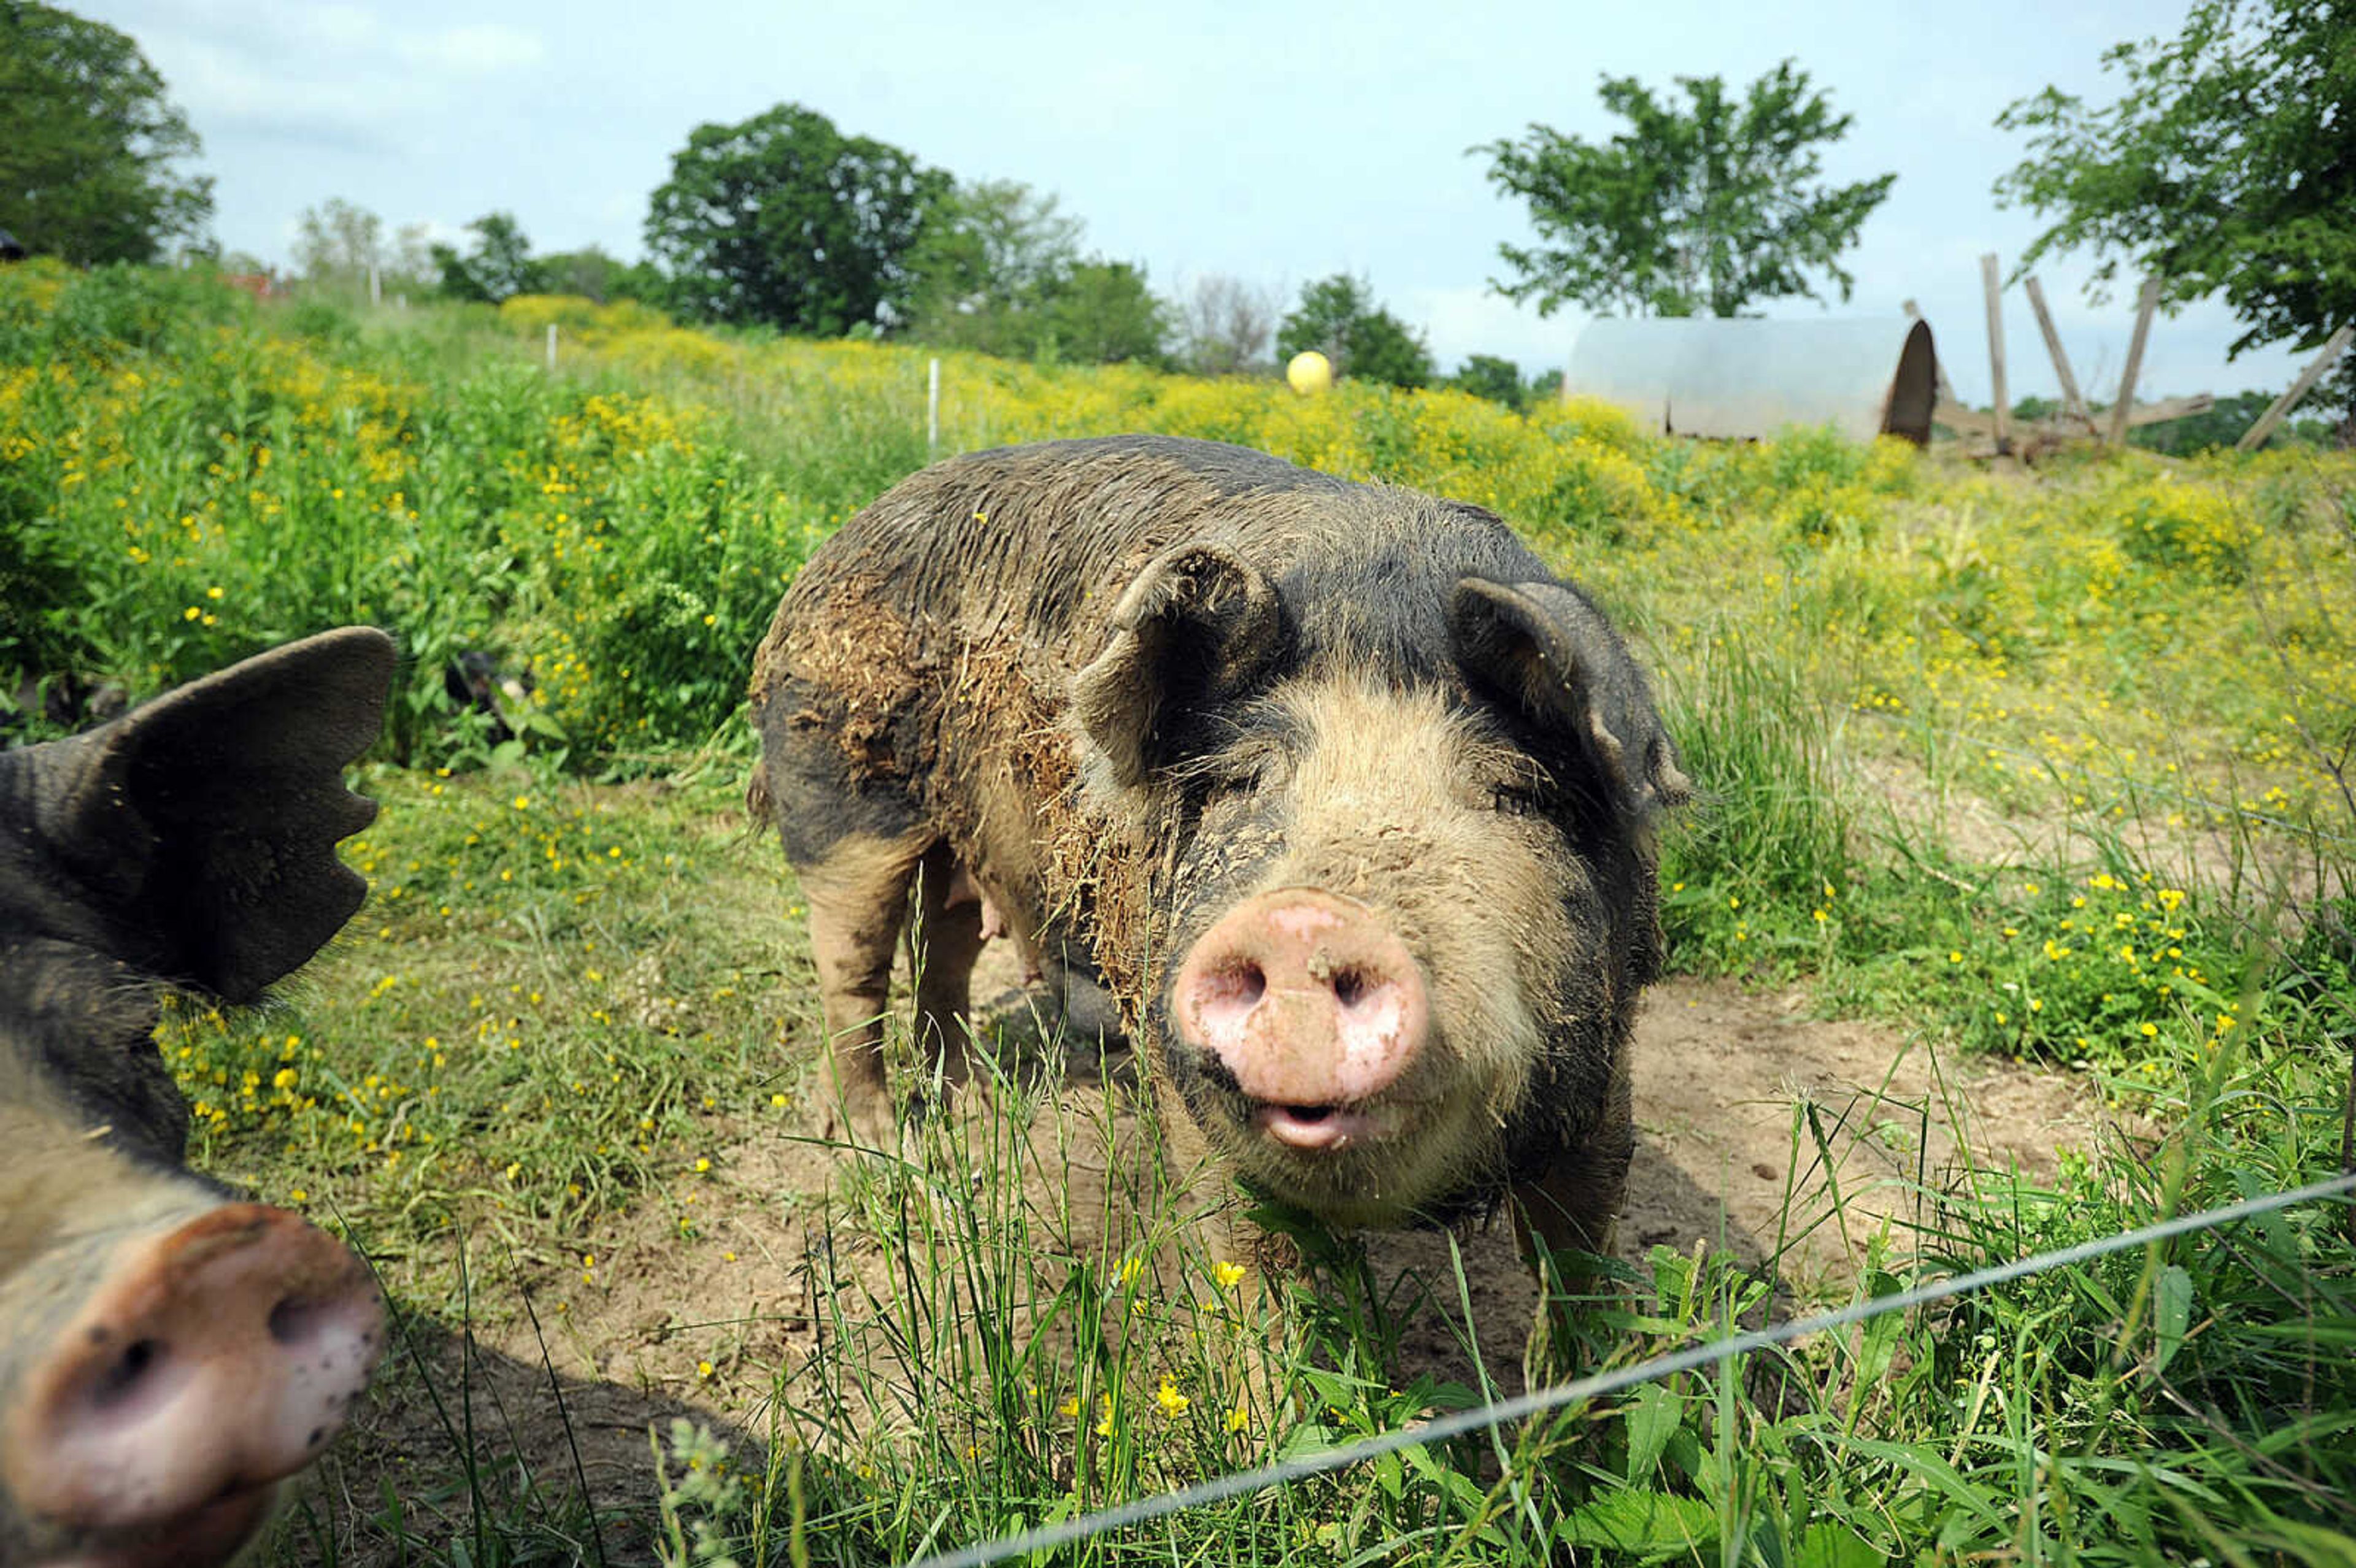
[(1126, 679)]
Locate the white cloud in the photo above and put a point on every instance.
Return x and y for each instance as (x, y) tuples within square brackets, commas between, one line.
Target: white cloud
[(342, 27), (478, 50), (335, 72)]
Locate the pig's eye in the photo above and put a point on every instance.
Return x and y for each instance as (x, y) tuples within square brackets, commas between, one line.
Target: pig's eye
[(1518, 800), (1241, 780), (1235, 772)]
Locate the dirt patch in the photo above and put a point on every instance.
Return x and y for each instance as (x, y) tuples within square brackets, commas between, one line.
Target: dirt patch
[(2187, 848), (1788, 1139), (1756, 1121)]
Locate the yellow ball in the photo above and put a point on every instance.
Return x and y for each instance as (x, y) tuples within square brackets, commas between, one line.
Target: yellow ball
[(1310, 373)]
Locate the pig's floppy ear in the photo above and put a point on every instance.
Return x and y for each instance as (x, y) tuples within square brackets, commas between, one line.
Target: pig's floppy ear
[(200, 828), (1198, 625), (1548, 649)]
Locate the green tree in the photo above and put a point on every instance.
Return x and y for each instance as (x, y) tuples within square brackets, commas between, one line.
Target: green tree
[(1339, 318), (88, 143), (499, 266), (1699, 209), (2223, 425), (2227, 165), (1102, 313), (337, 243), (593, 275), (1487, 376), (783, 220), (984, 265)]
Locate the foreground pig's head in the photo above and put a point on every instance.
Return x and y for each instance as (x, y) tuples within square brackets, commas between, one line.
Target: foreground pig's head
[(1405, 885), (167, 1355)]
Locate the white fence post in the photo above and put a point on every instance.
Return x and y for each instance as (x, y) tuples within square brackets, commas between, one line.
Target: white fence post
[(933, 410)]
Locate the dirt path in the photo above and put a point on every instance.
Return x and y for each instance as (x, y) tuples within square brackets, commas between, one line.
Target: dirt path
[(1785, 1139), (784, 1247)]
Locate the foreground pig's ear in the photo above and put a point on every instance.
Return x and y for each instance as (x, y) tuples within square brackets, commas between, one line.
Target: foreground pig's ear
[(1197, 626), (200, 828), (1548, 649)]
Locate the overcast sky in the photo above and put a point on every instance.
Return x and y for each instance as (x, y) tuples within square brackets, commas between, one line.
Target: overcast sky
[(1274, 143)]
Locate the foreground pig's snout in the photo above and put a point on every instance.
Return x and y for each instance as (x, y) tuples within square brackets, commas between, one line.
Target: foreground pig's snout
[(1311, 1001), (214, 1360)]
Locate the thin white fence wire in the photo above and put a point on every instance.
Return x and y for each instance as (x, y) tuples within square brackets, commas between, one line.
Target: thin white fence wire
[(1712, 1353)]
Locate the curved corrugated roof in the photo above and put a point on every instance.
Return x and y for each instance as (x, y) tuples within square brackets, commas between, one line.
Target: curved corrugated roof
[(1741, 376)]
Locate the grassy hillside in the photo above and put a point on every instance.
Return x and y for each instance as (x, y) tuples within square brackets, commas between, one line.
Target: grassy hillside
[(2049, 767)]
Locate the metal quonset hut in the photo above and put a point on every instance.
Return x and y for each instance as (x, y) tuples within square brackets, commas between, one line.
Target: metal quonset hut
[(1742, 378)]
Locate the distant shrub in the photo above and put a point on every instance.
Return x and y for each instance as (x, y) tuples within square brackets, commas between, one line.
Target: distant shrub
[(50, 311)]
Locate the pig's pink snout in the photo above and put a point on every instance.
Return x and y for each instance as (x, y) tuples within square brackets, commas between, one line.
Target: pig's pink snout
[(211, 1361), (1311, 1001)]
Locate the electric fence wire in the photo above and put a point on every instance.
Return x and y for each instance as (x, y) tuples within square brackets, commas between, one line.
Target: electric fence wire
[(1712, 1353)]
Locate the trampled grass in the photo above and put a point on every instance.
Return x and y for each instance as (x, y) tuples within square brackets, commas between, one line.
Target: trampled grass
[(558, 1079)]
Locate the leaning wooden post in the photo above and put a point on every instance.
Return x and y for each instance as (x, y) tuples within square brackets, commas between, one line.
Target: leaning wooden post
[(1989, 281), (552, 346), (2072, 403), (2256, 436), (2144, 309)]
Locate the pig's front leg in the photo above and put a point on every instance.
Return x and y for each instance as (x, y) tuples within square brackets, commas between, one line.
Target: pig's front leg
[(858, 898)]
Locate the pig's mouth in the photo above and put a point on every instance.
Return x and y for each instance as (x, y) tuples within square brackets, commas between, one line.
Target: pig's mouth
[(206, 1537), (1315, 1128)]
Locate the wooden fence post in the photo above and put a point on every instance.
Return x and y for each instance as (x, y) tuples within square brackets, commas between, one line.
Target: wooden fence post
[(2072, 403), (1991, 283), (2144, 309), (2256, 436)]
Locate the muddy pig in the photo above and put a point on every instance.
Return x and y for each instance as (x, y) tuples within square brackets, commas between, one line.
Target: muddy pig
[(168, 1353), (1329, 794)]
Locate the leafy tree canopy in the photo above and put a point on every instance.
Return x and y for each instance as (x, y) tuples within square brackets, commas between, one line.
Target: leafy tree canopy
[(1339, 318), (1497, 380), (2228, 164), (1102, 313), (89, 143), (499, 266), (593, 275), (783, 220), (1694, 209), (997, 269), (338, 242), (987, 259)]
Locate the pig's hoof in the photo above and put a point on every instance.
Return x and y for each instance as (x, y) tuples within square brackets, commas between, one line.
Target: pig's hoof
[(863, 1121)]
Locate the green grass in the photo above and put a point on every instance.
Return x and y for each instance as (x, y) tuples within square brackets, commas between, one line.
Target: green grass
[(564, 1066)]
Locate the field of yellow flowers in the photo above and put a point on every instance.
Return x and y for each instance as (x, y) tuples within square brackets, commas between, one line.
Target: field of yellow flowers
[(199, 486), (2052, 766)]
